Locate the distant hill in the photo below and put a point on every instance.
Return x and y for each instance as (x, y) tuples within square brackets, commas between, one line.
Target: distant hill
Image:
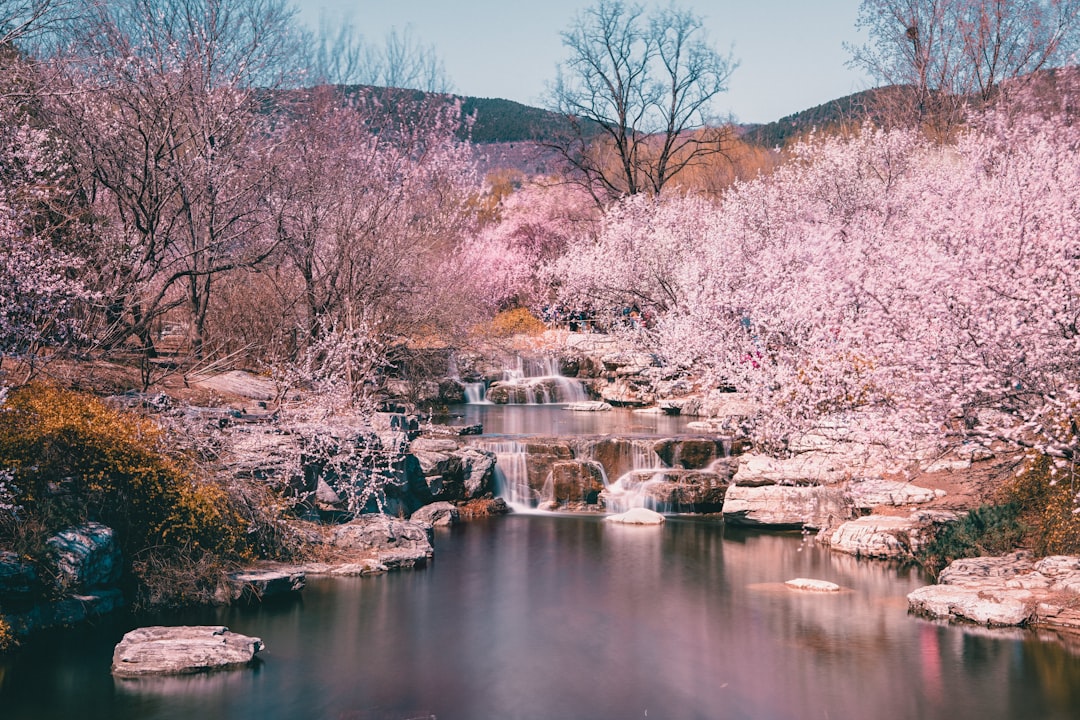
[(854, 108)]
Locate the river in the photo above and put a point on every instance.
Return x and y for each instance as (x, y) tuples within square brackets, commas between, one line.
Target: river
[(571, 617)]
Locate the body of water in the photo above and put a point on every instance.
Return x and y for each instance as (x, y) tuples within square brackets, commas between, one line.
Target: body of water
[(556, 420), (571, 617)]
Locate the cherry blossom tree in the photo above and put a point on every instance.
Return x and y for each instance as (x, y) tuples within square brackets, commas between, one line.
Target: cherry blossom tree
[(40, 291), (509, 260), (930, 289)]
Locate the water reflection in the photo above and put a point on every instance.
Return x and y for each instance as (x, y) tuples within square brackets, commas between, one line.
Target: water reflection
[(570, 617), (556, 420)]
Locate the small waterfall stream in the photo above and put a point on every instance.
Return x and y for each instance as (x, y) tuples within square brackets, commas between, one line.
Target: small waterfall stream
[(556, 473), (533, 381)]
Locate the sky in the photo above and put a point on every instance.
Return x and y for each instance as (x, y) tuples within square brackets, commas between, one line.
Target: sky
[(790, 52)]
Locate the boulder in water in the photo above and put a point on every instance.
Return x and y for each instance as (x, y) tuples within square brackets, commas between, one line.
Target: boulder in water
[(180, 650), (812, 585), (637, 516)]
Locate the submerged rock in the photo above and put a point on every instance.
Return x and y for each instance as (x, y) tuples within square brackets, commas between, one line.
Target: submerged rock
[(812, 585), (179, 650), (637, 516)]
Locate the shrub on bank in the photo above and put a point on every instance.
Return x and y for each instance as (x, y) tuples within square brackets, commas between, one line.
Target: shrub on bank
[(1047, 498), (72, 459), (986, 530)]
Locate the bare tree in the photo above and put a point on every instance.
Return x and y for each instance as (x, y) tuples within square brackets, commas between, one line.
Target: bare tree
[(637, 90), (338, 54), (161, 106), (950, 52)]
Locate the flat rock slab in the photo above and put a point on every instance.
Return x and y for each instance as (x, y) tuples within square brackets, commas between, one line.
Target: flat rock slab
[(637, 516), (257, 585), (1007, 590), (182, 650), (811, 585)]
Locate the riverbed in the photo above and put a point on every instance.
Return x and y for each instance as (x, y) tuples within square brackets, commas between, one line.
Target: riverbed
[(571, 617)]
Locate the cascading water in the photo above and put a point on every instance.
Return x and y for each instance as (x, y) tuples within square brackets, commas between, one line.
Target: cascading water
[(535, 381), (511, 473), (637, 467), (476, 393)]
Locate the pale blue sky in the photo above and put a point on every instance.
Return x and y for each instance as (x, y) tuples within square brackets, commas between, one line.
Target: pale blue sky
[(790, 51)]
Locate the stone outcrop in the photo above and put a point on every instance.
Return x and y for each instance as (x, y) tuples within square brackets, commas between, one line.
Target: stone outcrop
[(18, 579), (868, 493), (887, 536), (182, 650), (786, 506), (1009, 590), (260, 585), (576, 481), (451, 472), (393, 542), (677, 490), (85, 557)]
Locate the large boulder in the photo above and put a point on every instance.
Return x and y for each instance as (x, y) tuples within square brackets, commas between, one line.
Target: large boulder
[(85, 557), (180, 650), (393, 542), (438, 514), (887, 536), (786, 506)]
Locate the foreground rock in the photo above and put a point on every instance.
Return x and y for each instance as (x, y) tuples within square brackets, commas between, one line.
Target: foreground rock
[(637, 516), (181, 650), (1009, 590)]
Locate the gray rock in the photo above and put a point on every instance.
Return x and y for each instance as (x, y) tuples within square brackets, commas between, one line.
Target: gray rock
[(180, 650), (86, 557), (438, 514), (393, 542), (18, 579)]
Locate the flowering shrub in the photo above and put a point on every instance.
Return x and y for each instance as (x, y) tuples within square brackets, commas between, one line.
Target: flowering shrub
[(73, 459)]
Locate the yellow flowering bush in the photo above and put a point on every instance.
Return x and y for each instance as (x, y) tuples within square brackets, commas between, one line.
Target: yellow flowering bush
[(74, 458)]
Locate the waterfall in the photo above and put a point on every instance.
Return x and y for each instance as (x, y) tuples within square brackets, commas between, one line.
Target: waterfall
[(636, 467), (536, 381), (476, 393), (512, 473)]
